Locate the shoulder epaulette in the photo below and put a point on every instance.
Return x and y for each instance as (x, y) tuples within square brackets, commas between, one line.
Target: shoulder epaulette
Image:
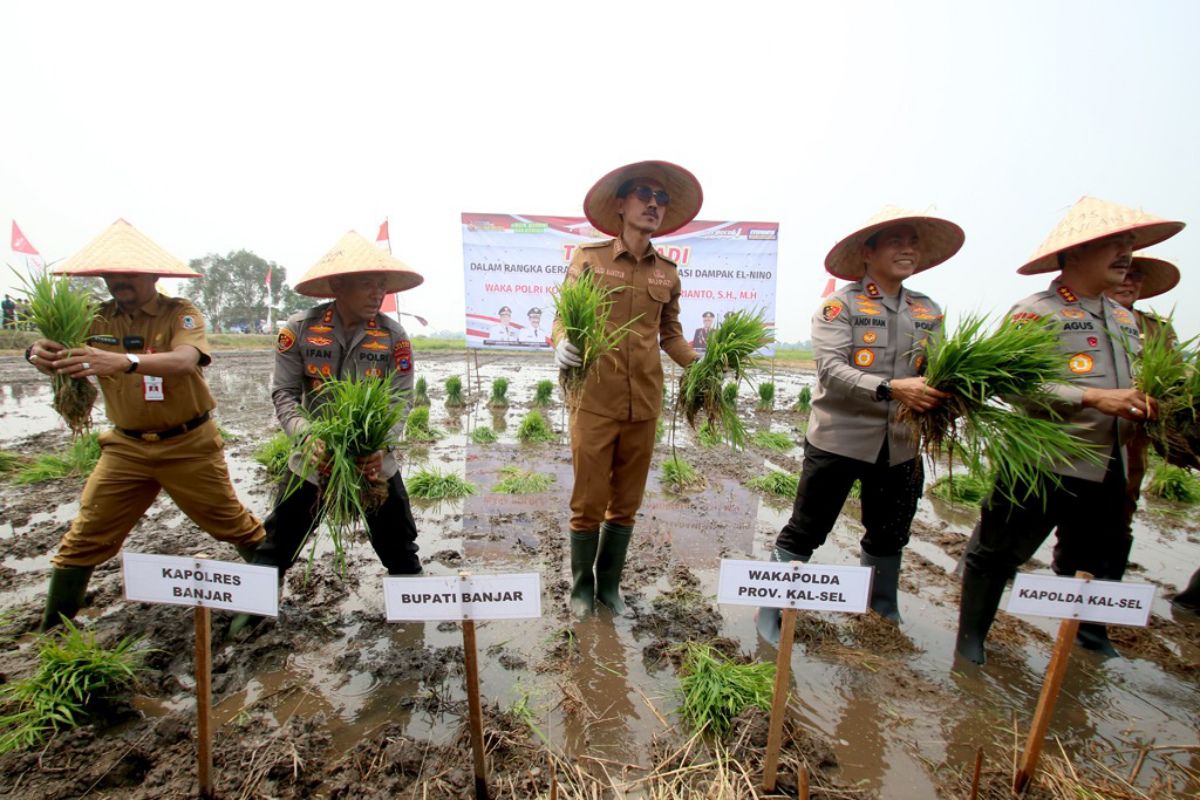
[(592, 245)]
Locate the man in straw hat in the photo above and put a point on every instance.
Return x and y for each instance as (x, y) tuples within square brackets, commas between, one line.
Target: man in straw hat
[(613, 427), (147, 351), (1093, 248), (347, 338), (868, 341)]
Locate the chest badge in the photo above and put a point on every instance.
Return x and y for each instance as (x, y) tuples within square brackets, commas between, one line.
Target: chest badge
[(871, 289), (1081, 363), (1074, 313), (1093, 341), (869, 337), (286, 340), (864, 357), (831, 310)]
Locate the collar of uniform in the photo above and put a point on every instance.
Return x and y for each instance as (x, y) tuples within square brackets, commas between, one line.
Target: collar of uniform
[(619, 248), (152, 307)]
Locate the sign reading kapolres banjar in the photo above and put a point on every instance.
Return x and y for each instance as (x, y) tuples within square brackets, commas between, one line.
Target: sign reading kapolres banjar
[(513, 262)]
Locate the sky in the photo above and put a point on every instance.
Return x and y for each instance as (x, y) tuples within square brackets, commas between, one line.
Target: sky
[(219, 126)]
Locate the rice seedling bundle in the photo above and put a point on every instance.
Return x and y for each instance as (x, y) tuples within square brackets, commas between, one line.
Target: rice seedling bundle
[(583, 308), (416, 427), (729, 394), (1016, 361), (515, 480), (1173, 483), (969, 488), (766, 396), (499, 398), (708, 435), (1170, 373), (483, 435), (715, 689), (534, 429), (454, 394), (433, 484), (79, 459), (64, 314), (679, 476), (804, 400), (729, 353), (421, 393), (543, 393), (778, 483), (772, 440), (273, 454)]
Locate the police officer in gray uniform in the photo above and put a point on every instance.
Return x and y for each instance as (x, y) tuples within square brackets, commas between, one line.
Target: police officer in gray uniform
[(868, 342), (1093, 247)]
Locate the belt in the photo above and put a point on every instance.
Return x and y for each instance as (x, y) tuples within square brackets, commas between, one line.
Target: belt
[(169, 433)]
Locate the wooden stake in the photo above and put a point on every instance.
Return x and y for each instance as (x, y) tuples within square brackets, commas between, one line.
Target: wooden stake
[(975, 777), (803, 793), (204, 699), (783, 663), (1049, 696), (476, 714)]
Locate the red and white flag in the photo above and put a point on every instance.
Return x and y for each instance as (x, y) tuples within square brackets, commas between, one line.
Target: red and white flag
[(384, 240), (33, 259), (268, 281), (829, 287)]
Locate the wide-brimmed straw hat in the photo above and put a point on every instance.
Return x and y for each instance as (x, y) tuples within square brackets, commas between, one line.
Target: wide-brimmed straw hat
[(122, 248), (351, 255), (1091, 219), (940, 239), (1160, 276), (600, 204)]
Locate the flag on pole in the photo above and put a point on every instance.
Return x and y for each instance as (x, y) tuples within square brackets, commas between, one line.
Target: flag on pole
[(384, 240), (268, 281), (33, 259), (829, 287)]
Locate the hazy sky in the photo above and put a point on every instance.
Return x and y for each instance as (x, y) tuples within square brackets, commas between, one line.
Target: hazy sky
[(217, 126)]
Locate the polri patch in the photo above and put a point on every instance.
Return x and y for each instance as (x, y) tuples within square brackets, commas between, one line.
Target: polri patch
[(402, 353), (1081, 363), (286, 340), (869, 337), (864, 357), (832, 310)]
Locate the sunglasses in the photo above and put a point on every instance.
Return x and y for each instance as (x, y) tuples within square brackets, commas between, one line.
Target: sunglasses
[(644, 193)]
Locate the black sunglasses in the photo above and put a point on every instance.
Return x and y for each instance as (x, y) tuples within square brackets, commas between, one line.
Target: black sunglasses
[(644, 193)]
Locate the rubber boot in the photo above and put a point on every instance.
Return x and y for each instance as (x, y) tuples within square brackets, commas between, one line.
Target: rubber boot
[(767, 620), (980, 600), (242, 621), (885, 584), (583, 576), (1094, 636), (610, 563), (1188, 601), (247, 552), (68, 585)]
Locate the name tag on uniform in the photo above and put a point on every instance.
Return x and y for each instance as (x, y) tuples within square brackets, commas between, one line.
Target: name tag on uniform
[(152, 388)]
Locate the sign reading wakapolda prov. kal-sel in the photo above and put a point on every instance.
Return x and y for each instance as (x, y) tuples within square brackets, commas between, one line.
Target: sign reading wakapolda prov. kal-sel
[(512, 262), (811, 587)]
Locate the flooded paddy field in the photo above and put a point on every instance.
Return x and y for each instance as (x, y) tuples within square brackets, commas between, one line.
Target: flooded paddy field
[(330, 700)]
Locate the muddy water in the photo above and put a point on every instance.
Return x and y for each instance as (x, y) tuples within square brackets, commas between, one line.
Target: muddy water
[(601, 688)]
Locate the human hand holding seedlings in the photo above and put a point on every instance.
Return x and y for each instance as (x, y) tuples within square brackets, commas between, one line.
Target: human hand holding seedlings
[(371, 465), (1124, 403), (567, 355), (916, 394), (42, 355)]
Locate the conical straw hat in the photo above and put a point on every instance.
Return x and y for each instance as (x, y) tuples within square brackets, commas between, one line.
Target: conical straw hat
[(1161, 276), (600, 204), (122, 248), (939, 240), (1091, 219), (351, 255)]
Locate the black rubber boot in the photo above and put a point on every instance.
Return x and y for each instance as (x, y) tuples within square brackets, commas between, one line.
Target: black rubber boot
[(583, 577), (1188, 601), (68, 585), (1094, 636), (980, 600), (767, 620), (610, 563), (885, 584)]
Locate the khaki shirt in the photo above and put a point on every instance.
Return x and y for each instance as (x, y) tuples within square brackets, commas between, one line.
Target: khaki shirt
[(861, 338), (1095, 349), (315, 346), (628, 383), (161, 325)]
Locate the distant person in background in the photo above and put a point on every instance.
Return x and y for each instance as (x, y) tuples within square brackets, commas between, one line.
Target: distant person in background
[(10, 312), (700, 337), (534, 333), (504, 330)]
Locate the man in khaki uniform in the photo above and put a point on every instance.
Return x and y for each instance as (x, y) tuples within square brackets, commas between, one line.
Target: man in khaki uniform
[(612, 429), (868, 340), (146, 350), (1093, 247)]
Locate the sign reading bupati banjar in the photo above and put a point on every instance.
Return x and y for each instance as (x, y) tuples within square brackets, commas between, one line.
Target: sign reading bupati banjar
[(513, 263)]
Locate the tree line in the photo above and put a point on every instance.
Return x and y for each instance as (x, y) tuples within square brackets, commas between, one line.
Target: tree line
[(232, 292)]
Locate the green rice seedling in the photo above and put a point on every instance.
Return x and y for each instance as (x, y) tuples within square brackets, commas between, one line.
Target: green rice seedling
[(729, 353), (499, 398), (679, 476), (535, 429), (543, 394), (79, 459), (583, 308), (782, 484), (729, 394), (766, 396), (716, 689), (708, 435), (856, 490), (1173, 483), (420, 393), (454, 392), (804, 400), (1169, 371), (11, 462), (433, 484), (273, 454), (660, 430), (968, 488), (772, 440), (76, 680), (64, 314), (483, 435), (522, 481), (226, 434), (416, 427)]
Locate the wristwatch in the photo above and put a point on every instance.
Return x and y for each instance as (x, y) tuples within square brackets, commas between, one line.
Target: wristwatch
[(133, 363), (884, 390)]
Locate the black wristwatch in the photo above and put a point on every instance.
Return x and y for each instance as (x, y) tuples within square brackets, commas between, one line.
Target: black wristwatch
[(884, 390), (28, 353)]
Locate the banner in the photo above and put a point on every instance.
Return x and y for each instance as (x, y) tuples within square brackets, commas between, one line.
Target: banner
[(513, 262)]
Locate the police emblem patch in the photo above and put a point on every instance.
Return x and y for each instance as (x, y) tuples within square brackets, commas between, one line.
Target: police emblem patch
[(188, 322), (831, 310), (864, 357), (869, 337), (1074, 313), (286, 340), (402, 353), (1081, 363)]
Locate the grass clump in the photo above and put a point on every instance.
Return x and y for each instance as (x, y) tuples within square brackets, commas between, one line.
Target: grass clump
[(483, 435), (967, 489), (804, 400), (543, 394), (433, 484), (730, 353), (716, 689), (535, 429), (454, 392), (1173, 483), (11, 462), (75, 682), (583, 307), (64, 314), (766, 396), (856, 490), (273, 454), (773, 440), (708, 435), (1170, 372), (679, 476), (522, 481), (781, 484), (420, 393), (729, 394), (78, 460), (416, 427), (499, 398)]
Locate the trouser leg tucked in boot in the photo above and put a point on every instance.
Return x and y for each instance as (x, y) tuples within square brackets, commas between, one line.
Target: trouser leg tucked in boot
[(610, 562), (767, 620), (65, 594), (583, 577), (980, 600), (885, 584)]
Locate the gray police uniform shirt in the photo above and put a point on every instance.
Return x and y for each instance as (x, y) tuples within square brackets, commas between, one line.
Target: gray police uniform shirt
[(1096, 337), (861, 338), (315, 347)]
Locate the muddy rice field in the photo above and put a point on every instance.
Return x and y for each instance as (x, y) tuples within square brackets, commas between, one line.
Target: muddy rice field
[(332, 701)]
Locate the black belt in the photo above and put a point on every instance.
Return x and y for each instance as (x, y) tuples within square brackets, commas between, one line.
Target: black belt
[(169, 433)]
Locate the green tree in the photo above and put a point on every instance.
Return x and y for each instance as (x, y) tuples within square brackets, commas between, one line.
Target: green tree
[(232, 291)]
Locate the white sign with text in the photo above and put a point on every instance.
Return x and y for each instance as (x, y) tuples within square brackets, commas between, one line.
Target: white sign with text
[(224, 585), (1084, 600), (458, 597), (814, 587)]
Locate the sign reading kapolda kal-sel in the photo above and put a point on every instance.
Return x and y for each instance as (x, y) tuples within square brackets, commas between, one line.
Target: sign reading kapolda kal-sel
[(513, 262)]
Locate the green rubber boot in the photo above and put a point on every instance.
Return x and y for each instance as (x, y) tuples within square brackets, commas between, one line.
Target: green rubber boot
[(242, 621), (884, 585), (770, 620), (583, 577), (68, 585), (610, 563)]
